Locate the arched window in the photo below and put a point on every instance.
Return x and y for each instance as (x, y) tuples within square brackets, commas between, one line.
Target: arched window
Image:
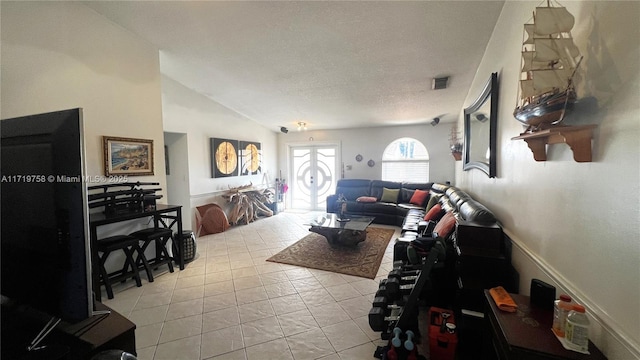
[(405, 159)]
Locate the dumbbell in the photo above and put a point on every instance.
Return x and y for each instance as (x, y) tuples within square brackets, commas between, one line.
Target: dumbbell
[(394, 347), (380, 301), (381, 317), (404, 266), (401, 273), (382, 289), (396, 342), (398, 288), (408, 344), (382, 283), (398, 285), (376, 318)]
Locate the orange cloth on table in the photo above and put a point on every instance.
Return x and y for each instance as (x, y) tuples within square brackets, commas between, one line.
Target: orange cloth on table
[(503, 300)]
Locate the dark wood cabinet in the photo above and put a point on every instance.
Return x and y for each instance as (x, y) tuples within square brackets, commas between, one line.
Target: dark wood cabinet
[(525, 334), (481, 262), (76, 341), (99, 333), (485, 239)]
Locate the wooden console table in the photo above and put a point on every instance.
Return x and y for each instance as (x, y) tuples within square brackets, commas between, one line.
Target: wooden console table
[(160, 215), (525, 334), (577, 137)]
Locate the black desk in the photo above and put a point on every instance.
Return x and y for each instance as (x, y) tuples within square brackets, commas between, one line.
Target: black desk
[(525, 334), (168, 216)]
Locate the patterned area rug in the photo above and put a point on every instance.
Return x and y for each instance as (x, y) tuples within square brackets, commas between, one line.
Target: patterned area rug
[(313, 251)]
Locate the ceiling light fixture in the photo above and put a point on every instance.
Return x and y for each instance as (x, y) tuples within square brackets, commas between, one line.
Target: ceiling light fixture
[(302, 126)]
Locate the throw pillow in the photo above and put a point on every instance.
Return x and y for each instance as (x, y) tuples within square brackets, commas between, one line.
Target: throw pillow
[(389, 195), (367, 199), (432, 201), (419, 197), (405, 195), (445, 226), (434, 214)]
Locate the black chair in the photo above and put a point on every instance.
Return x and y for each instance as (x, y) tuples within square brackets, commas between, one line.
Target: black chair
[(129, 245), (160, 237)]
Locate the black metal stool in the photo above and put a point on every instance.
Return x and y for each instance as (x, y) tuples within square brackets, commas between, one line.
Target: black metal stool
[(128, 245), (161, 237)]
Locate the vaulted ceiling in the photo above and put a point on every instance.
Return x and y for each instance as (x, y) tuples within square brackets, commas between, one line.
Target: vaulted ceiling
[(331, 64)]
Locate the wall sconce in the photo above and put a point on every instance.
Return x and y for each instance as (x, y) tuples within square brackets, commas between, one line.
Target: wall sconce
[(302, 126)]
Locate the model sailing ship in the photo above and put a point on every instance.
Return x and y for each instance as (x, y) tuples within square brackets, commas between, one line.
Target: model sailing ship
[(549, 62)]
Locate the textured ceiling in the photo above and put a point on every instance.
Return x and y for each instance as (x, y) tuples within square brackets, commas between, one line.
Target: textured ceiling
[(330, 64)]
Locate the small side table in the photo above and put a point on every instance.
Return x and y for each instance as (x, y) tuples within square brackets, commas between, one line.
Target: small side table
[(525, 334)]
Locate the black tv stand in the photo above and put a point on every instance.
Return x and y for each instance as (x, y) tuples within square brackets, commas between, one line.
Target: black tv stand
[(81, 340)]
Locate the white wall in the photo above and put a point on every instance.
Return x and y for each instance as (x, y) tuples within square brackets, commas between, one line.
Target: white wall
[(575, 225), (61, 55), (178, 191), (371, 142), (185, 111)]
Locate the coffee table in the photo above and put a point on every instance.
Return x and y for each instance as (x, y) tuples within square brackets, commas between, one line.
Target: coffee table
[(341, 231)]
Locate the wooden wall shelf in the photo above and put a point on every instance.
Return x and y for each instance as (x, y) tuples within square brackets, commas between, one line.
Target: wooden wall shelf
[(577, 137)]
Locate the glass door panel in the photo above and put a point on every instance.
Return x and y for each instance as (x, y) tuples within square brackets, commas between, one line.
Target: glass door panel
[(314, 176)]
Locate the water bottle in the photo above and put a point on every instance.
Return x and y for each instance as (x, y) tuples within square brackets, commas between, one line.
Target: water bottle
[(577, 329), (561, 308)]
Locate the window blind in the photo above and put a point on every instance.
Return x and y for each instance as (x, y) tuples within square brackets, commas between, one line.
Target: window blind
[(405, 170)]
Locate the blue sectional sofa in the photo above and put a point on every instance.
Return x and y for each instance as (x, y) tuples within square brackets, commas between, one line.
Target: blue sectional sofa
[(466, 209), (388, 213)]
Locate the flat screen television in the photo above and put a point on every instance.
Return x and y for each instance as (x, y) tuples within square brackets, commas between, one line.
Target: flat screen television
[(45, 247)]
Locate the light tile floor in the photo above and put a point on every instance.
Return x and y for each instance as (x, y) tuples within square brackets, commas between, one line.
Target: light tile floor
[(229, 303)]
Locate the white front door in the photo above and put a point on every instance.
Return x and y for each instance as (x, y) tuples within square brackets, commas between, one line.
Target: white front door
[(314, 175)]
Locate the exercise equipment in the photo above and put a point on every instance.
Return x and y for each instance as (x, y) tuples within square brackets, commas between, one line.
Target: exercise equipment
[(397, 304), (443, 335), (400, 347), (395, 341), (408, 344)]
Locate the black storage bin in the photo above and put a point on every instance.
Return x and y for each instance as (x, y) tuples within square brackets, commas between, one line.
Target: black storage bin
[(188, 245)]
